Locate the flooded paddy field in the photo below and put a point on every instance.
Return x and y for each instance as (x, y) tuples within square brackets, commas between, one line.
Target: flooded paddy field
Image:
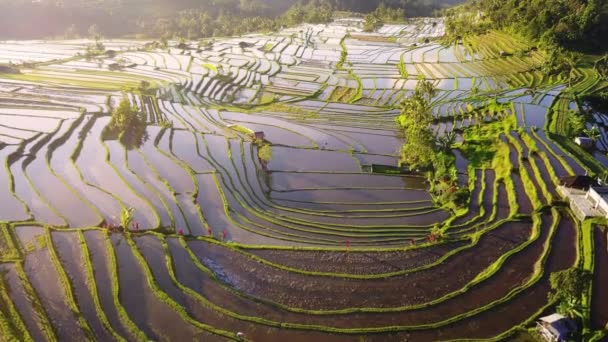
[(255, 207)]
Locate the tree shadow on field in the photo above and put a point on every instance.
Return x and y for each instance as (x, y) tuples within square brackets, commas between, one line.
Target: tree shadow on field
[(132, 138), (479, 152)]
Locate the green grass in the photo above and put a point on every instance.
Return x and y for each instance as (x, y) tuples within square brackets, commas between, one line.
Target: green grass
[(243, 130), (482, 146), (8, 249)]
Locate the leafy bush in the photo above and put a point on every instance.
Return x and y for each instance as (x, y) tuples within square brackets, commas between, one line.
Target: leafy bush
[(125, 115), (265, 153), (126, 217), (128, 125), (461, 197), (166, 123), (567, 287), (569, 283), (146, 88)]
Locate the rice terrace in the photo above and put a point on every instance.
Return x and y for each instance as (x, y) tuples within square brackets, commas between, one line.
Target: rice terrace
[(350, 179)]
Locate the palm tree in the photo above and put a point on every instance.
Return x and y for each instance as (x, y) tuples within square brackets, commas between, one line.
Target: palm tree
[(454, 174), (427, 89), (126, 217), (593, 133), (570, 307), (437, 234), (474, 90), (445, 142), (601, 66)]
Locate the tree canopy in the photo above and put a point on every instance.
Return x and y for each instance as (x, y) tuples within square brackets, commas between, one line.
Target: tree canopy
[(567, 288), (574, 24), (184, 18), (415, 119), (128, 125)]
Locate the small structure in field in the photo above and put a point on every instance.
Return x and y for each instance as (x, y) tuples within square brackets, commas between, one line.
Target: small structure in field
[(9, 69), (584, 142), (259, 135), (556, 328), (585, 195), (114, 67), (244, 45), (599, 199), (111, 53)]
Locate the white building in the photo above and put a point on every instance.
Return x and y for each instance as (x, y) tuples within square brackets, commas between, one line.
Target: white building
[(556, 328), (599, 199)]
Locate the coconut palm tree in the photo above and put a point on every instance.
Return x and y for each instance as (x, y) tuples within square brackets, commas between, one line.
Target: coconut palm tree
[(474, 90), (571, 308), (426, 89), (593, 133), (445, 142)]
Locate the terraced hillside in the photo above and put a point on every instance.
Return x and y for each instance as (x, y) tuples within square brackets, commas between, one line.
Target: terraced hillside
[(226, 242)]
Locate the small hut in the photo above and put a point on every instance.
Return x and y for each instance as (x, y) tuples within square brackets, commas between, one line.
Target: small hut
[(584, 142), (556, 328), (259, 135)]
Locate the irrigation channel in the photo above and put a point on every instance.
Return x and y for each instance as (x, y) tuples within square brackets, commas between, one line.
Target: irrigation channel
[(307, 245)]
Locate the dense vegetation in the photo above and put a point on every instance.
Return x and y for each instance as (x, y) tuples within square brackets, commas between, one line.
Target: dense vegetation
[(106, 234), (576, 24), (382, 15), (128, 125), (186, 18), (424, 149), (200, 23), (568, 288)]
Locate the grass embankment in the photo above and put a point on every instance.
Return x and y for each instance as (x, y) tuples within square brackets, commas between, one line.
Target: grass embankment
[(100, 80), (92, 284), (490, 271), (135, 332), (584, 80), (42, 318), (227, 186), (483, 149), (67, 287), (347, 95)]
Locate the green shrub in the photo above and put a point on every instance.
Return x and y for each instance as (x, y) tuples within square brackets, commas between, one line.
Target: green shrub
[(568, 287), (126, 217), (265, 153)]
